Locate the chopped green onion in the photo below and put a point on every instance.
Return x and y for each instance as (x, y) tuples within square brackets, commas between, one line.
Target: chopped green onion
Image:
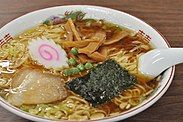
[(71, 71), (74, 51), (67, 72), (81, 67), (72, 61), (88, 65), (75, 70)]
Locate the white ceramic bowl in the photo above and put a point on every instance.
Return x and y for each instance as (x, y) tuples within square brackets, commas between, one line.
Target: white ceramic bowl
[(31, 19)]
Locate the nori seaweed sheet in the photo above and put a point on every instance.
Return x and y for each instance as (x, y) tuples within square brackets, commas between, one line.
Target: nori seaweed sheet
[(102, 83)]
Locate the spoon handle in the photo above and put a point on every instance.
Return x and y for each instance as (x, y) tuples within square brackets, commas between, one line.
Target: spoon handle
[(158, 60)]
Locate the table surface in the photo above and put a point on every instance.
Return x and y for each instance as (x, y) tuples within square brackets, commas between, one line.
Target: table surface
[(165, 15)]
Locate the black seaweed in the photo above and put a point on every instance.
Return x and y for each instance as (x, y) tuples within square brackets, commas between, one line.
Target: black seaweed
[(102, 83)]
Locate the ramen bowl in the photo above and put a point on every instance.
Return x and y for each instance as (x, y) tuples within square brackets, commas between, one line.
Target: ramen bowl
[(114, 16)]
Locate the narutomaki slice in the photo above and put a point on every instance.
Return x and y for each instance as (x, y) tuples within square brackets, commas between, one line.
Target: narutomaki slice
[(47, 53)]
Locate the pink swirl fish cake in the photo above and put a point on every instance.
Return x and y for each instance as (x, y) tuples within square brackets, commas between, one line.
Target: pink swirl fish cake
[(47, 53)]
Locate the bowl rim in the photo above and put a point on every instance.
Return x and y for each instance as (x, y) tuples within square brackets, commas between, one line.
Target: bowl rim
[(130, 113)]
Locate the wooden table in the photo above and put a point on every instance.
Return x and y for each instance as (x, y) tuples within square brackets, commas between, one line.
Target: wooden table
[(165, 15)]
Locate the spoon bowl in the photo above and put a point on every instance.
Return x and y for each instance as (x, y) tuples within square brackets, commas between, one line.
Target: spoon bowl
[(154, 62)]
